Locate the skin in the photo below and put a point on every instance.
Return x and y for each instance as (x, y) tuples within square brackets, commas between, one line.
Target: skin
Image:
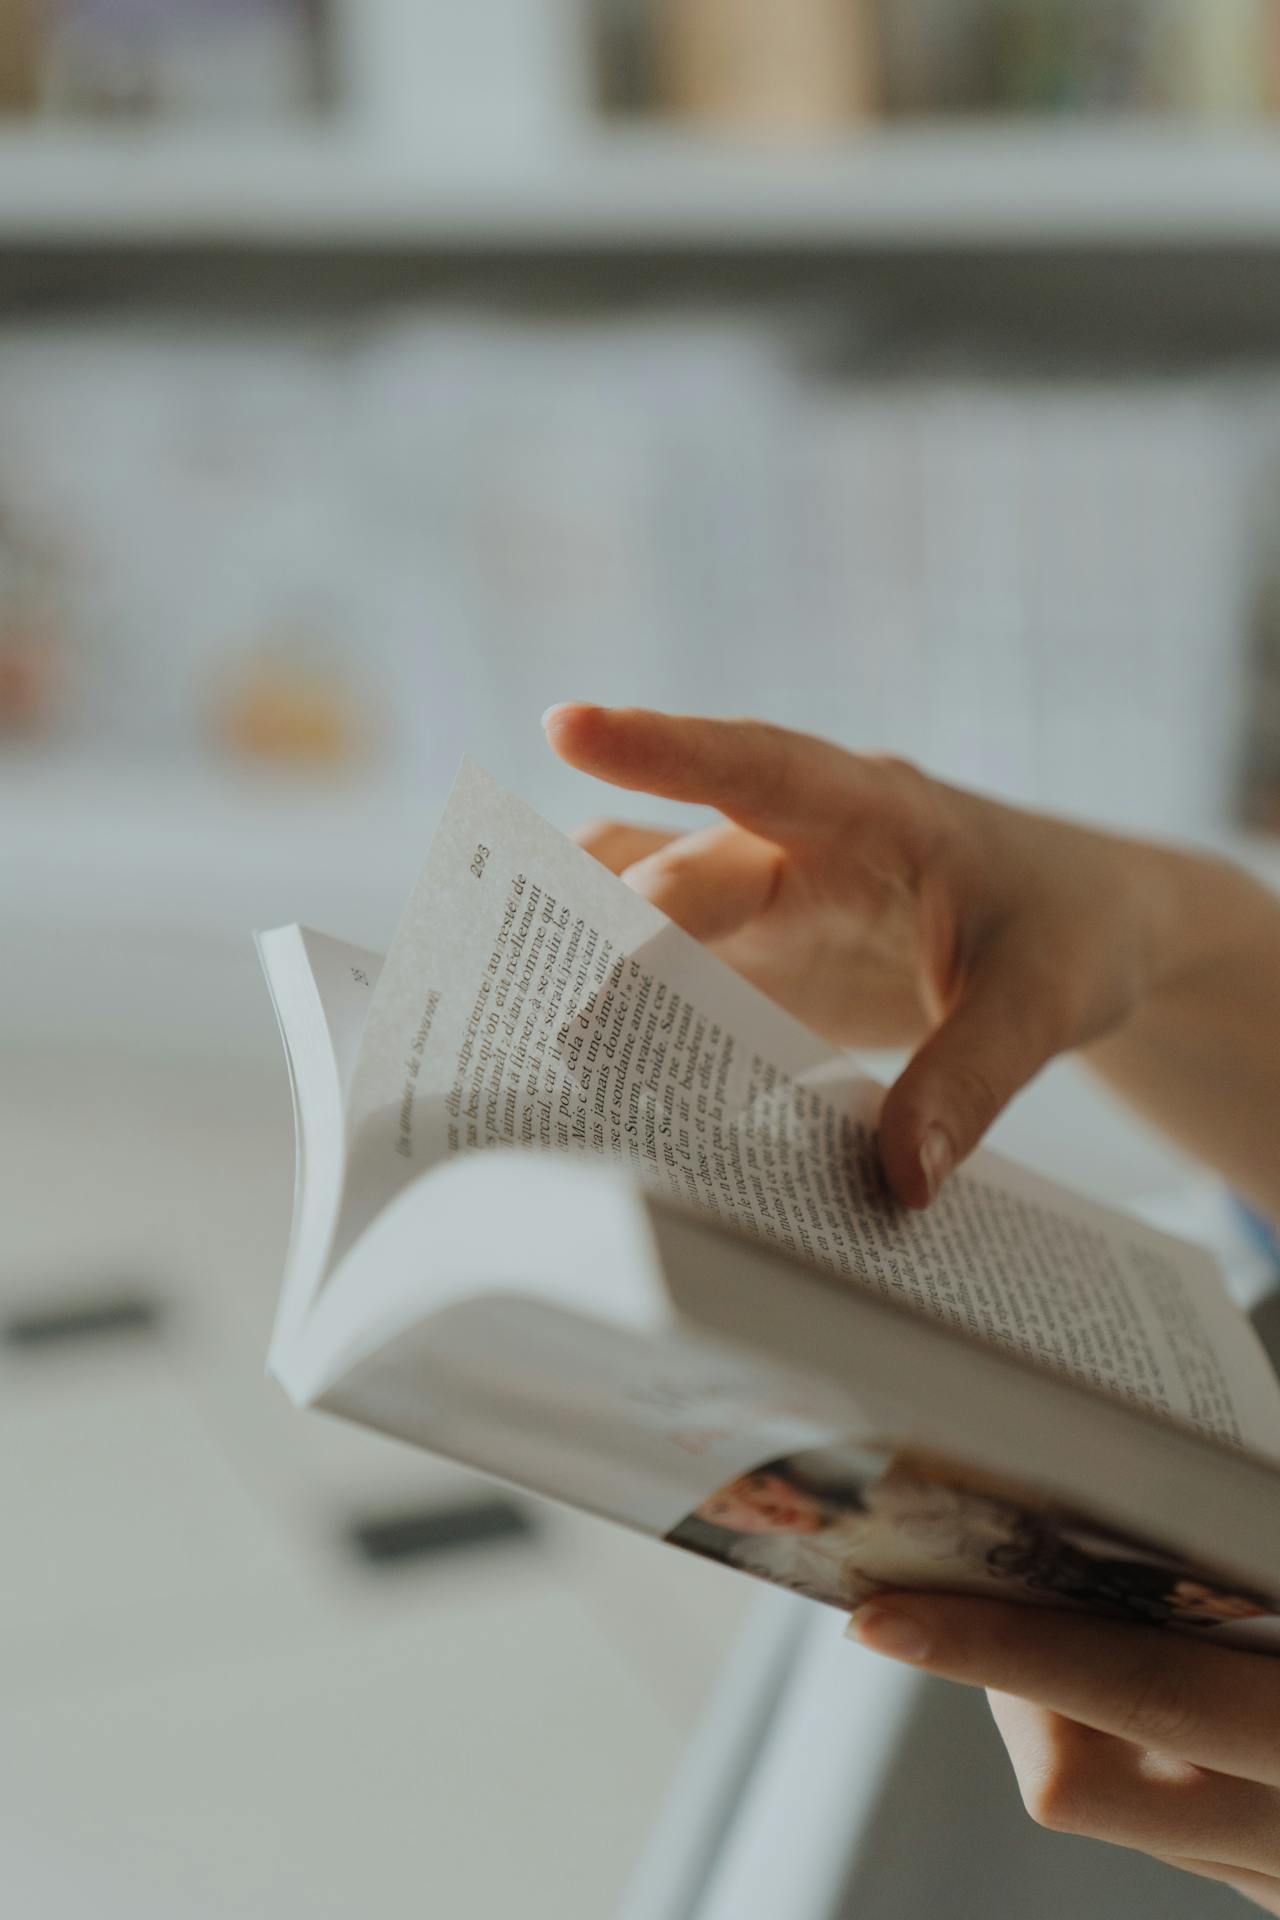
[(885, 908), (1194, 1600), (764, 1503)]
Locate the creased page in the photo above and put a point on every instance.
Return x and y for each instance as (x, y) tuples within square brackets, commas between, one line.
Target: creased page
[(532, 999)]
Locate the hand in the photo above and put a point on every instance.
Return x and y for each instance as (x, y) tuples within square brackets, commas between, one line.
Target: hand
[(881, 907), (1145, 1738)]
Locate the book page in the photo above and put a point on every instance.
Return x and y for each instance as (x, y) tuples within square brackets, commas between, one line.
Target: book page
[(530, 999), (841, 1521), (321, 990), (827, 1442)]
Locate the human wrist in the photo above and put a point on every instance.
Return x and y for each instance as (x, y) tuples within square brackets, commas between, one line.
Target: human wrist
[(1192, 916)]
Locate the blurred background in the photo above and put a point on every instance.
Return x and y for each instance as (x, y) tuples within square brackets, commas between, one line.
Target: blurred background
[(374, 373)]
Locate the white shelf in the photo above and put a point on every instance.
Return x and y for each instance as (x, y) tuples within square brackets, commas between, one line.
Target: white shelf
[(1008, 185)]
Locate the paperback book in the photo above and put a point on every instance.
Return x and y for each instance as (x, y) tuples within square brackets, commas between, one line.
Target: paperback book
[(579, 1208)]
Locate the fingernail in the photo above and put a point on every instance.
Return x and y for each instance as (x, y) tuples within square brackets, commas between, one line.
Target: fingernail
[(890, 1630), (937, 1157), (561, 706)]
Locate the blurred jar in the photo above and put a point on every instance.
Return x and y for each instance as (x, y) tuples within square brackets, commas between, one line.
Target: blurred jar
[(186, 58), (289, 704), (787, 67), (1209, 57)]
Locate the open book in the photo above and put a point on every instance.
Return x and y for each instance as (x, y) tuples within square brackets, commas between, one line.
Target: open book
[(678, 1296)]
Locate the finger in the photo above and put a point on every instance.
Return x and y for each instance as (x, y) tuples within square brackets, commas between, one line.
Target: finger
[(710, 883), (1007, 1026), (617, 844), (1262, 1888), (766, 778), (1214, 1706), (1075, 1780)]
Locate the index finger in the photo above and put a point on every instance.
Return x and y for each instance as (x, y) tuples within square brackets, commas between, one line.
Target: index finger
[(1216, 1707), (764, 777)]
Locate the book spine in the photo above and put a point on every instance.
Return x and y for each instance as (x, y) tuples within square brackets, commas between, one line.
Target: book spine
[(785, 66), (1218, 58)]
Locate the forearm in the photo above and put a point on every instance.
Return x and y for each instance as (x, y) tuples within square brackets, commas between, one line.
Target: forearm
[(1200, 1056)]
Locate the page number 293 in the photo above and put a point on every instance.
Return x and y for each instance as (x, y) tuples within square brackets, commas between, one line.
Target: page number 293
[(478, 859)]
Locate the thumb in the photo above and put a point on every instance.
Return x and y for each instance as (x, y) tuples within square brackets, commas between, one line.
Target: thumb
[(710, 883), (1004, 1029)]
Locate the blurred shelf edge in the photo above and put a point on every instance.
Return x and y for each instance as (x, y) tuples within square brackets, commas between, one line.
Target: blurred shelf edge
[(1021, 185), (128, 893), (99, 839), (202, 850)]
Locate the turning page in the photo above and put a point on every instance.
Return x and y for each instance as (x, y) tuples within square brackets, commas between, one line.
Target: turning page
[(530, 999)]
